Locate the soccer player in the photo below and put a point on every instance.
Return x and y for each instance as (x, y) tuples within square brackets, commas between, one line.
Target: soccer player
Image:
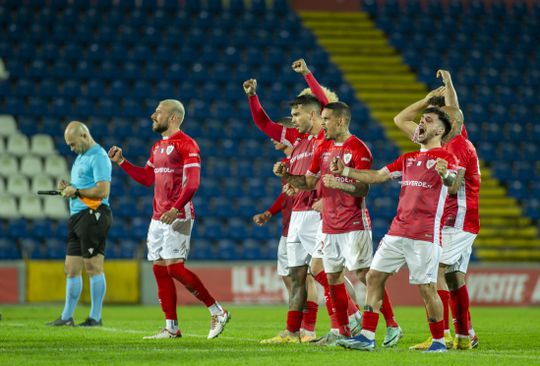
[(462, 222), (88, 224), (346, 225), (283, 204), (302, 238), (414, 237), (174, 168)]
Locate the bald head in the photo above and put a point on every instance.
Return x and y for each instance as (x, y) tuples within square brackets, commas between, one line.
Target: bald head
[(78, 137), (76, 128), (175, 107)]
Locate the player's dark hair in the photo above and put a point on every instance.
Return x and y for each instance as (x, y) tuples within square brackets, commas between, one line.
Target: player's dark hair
[(305, 100), (437, 101), (340, 109), (443, 117)]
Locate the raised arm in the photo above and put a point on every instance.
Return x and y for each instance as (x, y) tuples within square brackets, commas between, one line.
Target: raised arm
[(450, 95), (270, 128), (300, 67), (404, 120), (362, 176)]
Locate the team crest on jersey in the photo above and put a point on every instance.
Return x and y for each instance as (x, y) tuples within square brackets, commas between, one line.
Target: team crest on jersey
[(347, 158), (170, 149), (430, 163)]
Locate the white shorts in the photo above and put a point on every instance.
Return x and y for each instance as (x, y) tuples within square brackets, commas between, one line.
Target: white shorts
[(302, 237), (422, 258), (319, 243), (457, 249), (282, 261), (169, 241), (353, 250)]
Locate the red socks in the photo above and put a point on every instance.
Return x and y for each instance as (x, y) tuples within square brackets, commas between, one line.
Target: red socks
[(310, 316), (191, 282), (387, 311), (294, 319), (437, 329), (460, 309), (323, 280), (166, 292), (370, 320), (339, 298), (445, 299)]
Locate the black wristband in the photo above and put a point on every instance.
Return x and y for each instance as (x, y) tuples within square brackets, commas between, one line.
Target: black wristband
[(77, 193)]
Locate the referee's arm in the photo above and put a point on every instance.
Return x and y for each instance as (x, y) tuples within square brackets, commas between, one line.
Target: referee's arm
[(100, 191)]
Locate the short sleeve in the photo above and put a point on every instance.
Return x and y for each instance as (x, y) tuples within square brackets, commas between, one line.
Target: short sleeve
[(191, 155), (395, 168), (150, 161), (362, 158), (102, 168), (315, 167), (453, 162)]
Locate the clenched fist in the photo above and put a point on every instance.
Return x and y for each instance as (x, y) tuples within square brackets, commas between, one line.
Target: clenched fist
[(337, 166), (442, 167), (250, 87), (115, 154), (280, 169), (300, 67)]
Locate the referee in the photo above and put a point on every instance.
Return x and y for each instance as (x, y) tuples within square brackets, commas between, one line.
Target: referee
[(89, 223)]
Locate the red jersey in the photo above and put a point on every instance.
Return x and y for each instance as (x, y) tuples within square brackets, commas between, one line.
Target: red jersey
[(170, 157), (462, 208), (342, 213), (299, 164), (422, 196), (286, 211)]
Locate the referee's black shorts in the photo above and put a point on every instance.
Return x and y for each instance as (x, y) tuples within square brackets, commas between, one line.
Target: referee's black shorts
[(87, 232)]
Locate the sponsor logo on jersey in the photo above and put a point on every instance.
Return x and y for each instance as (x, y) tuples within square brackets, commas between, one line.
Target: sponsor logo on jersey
[(347, 158), (170, 149), (304, 155), (430, 163), (163, 170), (416, 183)]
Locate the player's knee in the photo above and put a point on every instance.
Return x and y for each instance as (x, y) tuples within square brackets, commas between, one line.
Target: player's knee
[(374, 278), (428, 291)]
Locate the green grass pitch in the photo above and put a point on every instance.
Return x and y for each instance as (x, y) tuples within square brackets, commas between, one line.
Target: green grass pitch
[(508, 336)]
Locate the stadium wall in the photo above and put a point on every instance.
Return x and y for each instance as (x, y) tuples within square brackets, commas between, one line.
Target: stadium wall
[(132, 282)]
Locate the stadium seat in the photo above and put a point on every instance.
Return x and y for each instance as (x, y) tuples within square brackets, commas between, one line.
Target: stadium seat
[(30, 206), (8, 125), (9, 250), (31, 165), (42, 145), (56, 167), (55, 208), (9, 164), (17, 144), (17, 185), (8, 207)]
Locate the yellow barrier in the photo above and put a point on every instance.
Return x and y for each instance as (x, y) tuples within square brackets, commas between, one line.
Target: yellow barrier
[(46, 282)]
